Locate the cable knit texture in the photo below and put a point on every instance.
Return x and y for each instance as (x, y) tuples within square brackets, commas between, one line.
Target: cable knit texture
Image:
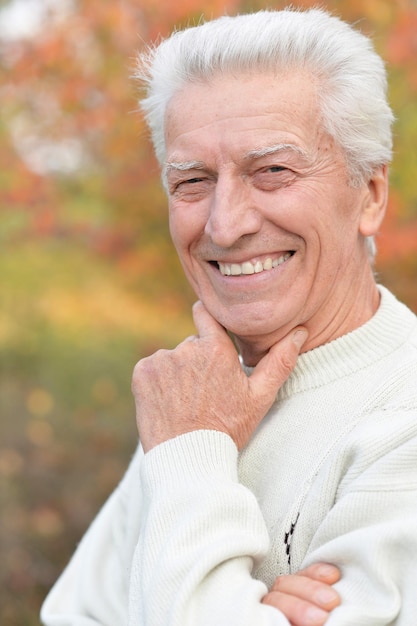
[(196, 533)]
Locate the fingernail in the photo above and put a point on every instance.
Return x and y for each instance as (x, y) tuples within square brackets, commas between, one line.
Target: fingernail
[(299, 337), (325, 596), (326, 569), (328, 572), (316, 616)]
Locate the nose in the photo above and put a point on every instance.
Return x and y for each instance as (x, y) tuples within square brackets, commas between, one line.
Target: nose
[(233, 212)]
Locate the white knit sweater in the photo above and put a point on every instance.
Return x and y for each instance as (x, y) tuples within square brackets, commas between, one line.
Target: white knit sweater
[(196, 533)]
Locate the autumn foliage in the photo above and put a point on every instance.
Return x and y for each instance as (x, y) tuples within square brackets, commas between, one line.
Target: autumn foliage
[(90, 281)]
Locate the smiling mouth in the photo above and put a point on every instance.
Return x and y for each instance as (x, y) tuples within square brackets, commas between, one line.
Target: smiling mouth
[(249, 267)]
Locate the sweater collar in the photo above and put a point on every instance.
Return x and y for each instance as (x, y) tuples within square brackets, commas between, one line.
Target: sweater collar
[(385, 332)]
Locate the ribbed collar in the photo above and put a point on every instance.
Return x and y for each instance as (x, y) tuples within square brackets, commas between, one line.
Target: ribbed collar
[(385, 332)]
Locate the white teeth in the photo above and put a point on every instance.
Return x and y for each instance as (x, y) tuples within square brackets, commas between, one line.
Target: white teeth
[(237, 269), (247, 268)]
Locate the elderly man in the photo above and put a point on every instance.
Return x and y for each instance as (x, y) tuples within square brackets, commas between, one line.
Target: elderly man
[(300, 446)]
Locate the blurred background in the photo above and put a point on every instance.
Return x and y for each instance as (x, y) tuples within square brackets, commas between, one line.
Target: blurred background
[(89, 280)]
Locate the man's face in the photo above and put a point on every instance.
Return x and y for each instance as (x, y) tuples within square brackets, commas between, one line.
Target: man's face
[(261, 211)]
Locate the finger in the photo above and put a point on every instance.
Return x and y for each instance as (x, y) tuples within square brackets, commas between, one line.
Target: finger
[(299, 612), (313, 591), (275, 367), (190, 338), (205, 323), (323, 572)]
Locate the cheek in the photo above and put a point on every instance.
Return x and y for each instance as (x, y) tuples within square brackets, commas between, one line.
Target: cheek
[(179, 228), (186, 224), (184, 234)]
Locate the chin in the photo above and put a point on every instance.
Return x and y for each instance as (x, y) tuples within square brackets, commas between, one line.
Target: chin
[(249, 320), (254, 334), (249, 324)]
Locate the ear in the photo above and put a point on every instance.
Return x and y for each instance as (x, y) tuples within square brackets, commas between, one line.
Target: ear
[(375, 203)]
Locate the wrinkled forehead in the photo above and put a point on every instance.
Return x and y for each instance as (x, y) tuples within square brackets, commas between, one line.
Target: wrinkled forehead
[(254, 111), (227, 85)]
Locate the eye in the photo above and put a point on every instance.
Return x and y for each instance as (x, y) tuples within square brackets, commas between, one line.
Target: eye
[(191, 181), (191, 189), (273, 177), (276, 168), (188, 183), (182, 181)]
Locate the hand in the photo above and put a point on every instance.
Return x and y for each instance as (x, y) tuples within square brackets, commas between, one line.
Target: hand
[(306, 598), (201, 385)]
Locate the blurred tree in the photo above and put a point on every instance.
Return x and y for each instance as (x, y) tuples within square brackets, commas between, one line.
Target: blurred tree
[(76, 163), (90, 281)]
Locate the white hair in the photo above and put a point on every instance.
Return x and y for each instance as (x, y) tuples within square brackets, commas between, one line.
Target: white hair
[(351, 76)]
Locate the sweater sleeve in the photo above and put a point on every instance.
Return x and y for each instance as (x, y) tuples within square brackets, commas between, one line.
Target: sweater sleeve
[(202, 533), (92, 590), (371, 535)]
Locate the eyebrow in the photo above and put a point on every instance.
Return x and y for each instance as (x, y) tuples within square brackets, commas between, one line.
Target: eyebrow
[(276, 149), (183, 166), (257, 153)]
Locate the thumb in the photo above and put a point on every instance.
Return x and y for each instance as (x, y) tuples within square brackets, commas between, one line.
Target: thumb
[(274, 368)]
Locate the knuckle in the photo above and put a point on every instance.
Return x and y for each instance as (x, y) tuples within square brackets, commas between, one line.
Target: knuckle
[(285, 367), (287, 364), (141, 367), (312, 571), (137, 370), (273, 598), (148, 364), (277, 583)]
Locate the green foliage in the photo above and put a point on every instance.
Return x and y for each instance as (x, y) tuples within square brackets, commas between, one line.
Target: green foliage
[(70, 333), (90, 280)]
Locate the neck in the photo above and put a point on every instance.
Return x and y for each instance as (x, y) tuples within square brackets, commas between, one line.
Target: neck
[(323, 327)]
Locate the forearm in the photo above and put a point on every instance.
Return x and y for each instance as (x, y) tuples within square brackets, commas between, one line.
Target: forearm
[(93, 589), (376, 555), (202, 534)]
